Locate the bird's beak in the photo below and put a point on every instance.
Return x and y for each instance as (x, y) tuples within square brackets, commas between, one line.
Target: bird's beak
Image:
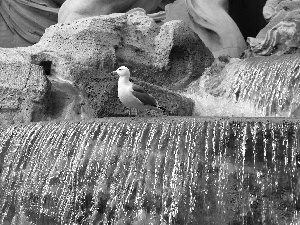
[(114, 73)]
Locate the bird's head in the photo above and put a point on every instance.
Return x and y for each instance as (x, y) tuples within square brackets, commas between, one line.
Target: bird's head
[(122, 71)]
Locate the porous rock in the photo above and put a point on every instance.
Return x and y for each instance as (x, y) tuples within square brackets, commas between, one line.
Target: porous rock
[(172, 59), (78, 59), (135, 40), (23, 89)]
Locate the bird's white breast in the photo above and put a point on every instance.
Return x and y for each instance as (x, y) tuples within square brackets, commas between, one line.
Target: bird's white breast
[(126, 97)]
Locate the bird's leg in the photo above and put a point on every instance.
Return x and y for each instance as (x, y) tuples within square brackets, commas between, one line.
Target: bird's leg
[(132, 112), (135, 112), (127, 110)]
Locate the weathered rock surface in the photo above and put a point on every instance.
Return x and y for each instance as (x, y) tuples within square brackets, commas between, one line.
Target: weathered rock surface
[(281, 35), (210, 20), (23, 22), (23, 89), (134, 40), (79, 57)]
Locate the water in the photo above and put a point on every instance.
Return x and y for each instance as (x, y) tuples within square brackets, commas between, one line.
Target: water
[(150, 171), (259, 87)]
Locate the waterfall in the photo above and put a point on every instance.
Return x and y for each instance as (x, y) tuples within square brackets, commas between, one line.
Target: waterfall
[(272, 83), (150, 171), (256, 87)]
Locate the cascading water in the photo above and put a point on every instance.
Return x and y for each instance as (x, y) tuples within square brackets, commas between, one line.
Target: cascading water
[(259, 86), (149, 171), (272, 83)]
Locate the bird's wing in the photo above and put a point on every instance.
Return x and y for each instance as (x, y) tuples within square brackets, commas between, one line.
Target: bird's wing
[(142, 95)]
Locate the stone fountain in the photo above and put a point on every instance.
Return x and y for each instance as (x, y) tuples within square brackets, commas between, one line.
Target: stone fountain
[(227, 154)]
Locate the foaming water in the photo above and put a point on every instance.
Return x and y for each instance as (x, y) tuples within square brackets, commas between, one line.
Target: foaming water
[(207, 104), (171, 171), (259, 86)]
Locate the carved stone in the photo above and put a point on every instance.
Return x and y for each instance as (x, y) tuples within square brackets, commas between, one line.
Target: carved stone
[(77, 9), (210, 20), (23, 22), (281, 35)]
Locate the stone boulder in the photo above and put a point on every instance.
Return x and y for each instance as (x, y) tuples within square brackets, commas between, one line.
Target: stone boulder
[(171, 55), (78, 59), (24, 90)]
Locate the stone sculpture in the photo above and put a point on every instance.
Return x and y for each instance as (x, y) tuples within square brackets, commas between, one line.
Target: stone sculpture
[(210, 20), (283, 38), (23, 22), (281, 35), (220, 39), (76, 9), (279, 8), (269, 9)]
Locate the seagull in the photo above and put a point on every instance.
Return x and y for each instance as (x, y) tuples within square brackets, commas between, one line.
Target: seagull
[(132, 95)]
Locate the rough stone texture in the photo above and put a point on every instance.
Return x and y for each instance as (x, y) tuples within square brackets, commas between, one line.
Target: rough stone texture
[(281, 35), (210, 20), (78, 59), (134, 40), (101, 95), (23, 89), (173, 58)]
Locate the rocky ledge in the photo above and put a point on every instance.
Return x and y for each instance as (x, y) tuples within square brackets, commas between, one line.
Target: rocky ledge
[(66, 75)]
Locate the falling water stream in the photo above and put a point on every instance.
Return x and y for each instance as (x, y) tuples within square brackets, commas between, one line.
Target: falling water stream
[(272, 83), (259, 86), (150, 171)]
